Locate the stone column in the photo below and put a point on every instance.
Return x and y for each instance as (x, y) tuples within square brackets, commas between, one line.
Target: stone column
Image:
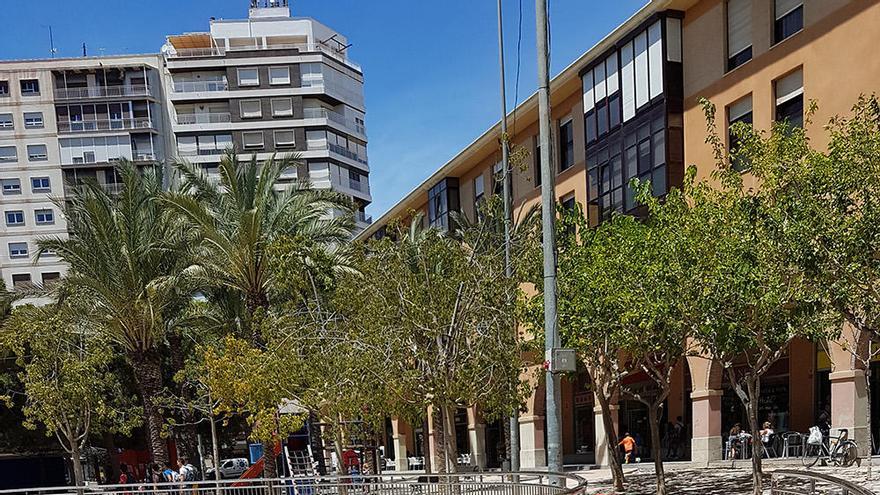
[(531, 442), (401, 431), (706, 440), (849, 393), (706, 434), (477, 437), (603, 450)]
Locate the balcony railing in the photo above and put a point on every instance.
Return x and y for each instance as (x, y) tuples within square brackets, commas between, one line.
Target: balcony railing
[(200, 86), (357, 185), (347, 122), (102, 92), (340, 150), (302, 47), (203, 118), (200, 152), (104, 125)]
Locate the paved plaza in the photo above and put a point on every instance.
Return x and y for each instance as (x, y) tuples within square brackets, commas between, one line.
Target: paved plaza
[(718, 479)]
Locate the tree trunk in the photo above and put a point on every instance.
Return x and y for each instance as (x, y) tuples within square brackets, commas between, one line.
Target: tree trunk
[(148, 374), (753, 385), (439, 440), (186, 435), (316, 442), (451, 447), (656, 449), (77, 464), (215, 449), (270, 469), (868, 411), (611, 440), (426, 446)]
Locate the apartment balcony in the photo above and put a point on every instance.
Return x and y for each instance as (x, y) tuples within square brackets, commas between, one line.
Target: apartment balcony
[(90, 160), (200, 86), (360, 186), (104, 125), (347, 122), (204, 118), (100, 92), (110, 188), (302, 47)]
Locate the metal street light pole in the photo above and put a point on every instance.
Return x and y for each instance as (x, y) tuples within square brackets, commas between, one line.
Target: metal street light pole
[(505, 164), (548, 218)]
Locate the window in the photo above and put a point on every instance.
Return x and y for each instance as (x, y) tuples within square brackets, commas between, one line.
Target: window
[(6, 122), (248, 77), (18, 250), (14, 218), (739, 36), (739, 112), (4, 88), (279, 75), (8, 154), (30, 87), (44, 217), (282, 107), (568, 203), (284, 139), (640, 153), (11, 186), (50, 278), (37, 153), (790, 99), (311, 75), (252, 139), (40, 185), (21, 280), (566, 146), (251, 109), (789, 19), (33, 120), (498, 178), (479, 188), (442, 198)]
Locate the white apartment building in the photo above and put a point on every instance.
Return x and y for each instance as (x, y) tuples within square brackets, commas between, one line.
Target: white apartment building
[(268, 84)]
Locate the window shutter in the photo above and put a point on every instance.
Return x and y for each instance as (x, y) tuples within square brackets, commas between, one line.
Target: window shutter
[(626, 75), (784, 7), (641, 51), (739, 26), (740, 108), (789, 87), (655, 59), (589, 104)]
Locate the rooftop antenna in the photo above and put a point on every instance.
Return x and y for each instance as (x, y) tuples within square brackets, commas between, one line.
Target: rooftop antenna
[(84, 51), (52, 49)]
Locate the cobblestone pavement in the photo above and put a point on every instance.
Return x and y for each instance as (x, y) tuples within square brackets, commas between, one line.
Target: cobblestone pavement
[(718, 479)]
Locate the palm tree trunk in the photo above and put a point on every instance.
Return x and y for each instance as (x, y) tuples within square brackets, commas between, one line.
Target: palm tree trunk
[(148, 375), (270, 469)]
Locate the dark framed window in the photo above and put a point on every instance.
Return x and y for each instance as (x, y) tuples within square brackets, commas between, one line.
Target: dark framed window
[(791, 111), (30, 87), (537, 163), (21, 280), (442, 199), (638, 152), (790, 99), (739, 112), (739, 36), (789, 19), (4, 88), (566, 146)]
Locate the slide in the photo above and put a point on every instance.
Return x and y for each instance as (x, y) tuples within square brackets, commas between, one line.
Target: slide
[(256, 469)]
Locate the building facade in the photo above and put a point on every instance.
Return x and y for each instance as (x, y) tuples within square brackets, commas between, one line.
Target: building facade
[(629, 107), (271, 84), (268, 84)]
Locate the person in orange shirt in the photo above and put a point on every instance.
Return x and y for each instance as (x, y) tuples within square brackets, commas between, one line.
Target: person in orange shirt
[(628, 445)]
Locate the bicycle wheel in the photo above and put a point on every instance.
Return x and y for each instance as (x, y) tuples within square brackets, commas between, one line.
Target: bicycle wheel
[(847, 453), (811, 455)]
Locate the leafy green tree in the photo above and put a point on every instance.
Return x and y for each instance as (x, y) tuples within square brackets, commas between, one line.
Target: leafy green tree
[(69, 387), (749, 300), (236, 218), (438, 309), (128, 260)]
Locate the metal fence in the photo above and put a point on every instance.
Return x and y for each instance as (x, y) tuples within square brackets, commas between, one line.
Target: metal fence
[(399, 484), (792, 482)]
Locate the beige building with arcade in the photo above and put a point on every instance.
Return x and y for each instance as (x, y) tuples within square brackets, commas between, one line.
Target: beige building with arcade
[(629, 107)]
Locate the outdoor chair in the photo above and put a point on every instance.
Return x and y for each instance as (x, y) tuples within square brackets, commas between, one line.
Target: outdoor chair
[(792, 444), (770, 446)]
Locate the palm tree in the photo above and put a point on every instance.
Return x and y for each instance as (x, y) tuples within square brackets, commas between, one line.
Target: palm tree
[(236, 218), (127, 259)]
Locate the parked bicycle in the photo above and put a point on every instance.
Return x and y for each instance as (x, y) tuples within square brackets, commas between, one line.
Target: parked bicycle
[(838, 451)]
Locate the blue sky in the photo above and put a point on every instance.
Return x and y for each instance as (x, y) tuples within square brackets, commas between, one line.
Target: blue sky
[(430, 66)]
